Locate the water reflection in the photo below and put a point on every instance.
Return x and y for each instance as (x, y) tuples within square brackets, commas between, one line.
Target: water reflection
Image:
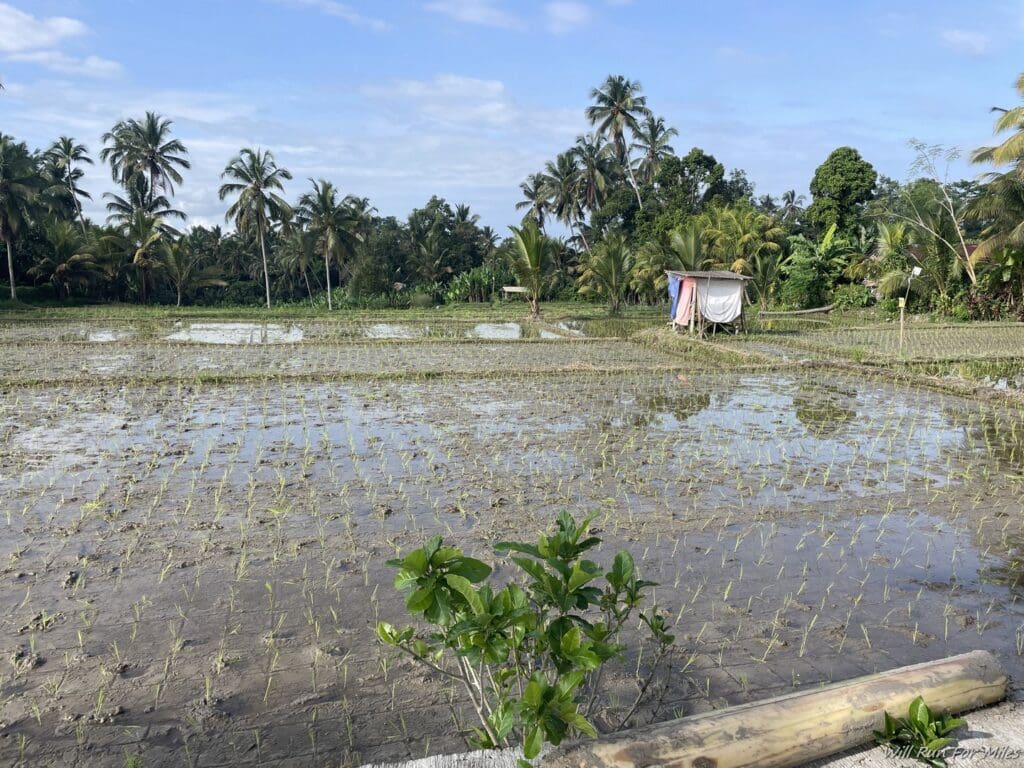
[(237, 333)]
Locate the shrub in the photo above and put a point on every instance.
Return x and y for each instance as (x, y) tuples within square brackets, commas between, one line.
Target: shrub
[(853, 296), (530, 656), (420, 300)]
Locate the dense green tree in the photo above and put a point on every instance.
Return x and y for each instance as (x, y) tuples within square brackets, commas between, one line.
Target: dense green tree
[(738, 233), (254, 179), (69, 263), (840, 188), (20, 185)]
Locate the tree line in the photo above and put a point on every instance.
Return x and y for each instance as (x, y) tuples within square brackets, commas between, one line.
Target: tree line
[(631, 206)]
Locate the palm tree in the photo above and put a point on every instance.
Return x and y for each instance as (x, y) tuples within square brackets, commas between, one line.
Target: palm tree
[(64, 155), (145, 148), (607, 271), (184, 268), (618, 107), (137, 199), (792, 205), (20, 184), (652, 142), (531, 262), (736, 234), (332, 222), (464, 216), (254, 177), (145, 240), (534, 199), (1011, 150), (69, 261), (297, 255), (1001, 205), (428, 260), (681, 250), (765, 269), (562, 189), (595, 170)]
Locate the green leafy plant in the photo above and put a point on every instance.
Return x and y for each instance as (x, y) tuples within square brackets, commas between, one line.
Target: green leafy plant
[(921, 735), (528, 656)]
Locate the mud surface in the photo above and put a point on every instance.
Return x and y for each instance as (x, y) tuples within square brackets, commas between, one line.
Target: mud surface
[(191, 571)]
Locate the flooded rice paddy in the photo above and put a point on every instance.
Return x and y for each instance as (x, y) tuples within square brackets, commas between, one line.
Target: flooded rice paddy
[(191, 569)]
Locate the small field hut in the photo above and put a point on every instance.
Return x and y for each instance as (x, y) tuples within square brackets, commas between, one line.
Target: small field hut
[(706, 299)]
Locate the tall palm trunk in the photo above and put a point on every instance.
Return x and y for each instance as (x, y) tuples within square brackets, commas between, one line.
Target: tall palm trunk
[(309, 290), (10, 267), (266, 272), (620, 143), (74, 199), (327, 271)]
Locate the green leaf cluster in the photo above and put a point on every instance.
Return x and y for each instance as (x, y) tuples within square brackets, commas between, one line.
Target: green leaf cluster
[(529, 653), (921, 735)]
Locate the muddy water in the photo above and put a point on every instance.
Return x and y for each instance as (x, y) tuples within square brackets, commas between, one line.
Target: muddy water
[(160, 537)]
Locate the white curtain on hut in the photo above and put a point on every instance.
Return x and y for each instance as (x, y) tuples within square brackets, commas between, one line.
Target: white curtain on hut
[(720, 301)]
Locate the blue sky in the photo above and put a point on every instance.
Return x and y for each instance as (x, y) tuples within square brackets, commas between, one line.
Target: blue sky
[(400, 99)]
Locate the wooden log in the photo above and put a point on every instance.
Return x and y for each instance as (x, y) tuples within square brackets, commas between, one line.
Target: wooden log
[(798, 312), (794, 729)]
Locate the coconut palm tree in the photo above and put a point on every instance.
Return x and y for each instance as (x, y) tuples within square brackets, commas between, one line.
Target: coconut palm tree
[(792, 205), (297, 256), (429, 257), (69, 261), (137, 199), (20, 185), (145, 239), (681, 250), (184, 268), (606, 273), (531, 262), (332, 221), (254, 178), (618, 107), (64, 156), (765, 269), (145, 148), (1011, 150), (562, 189), (652, 142), (596, 170), (736, 234), (1001, 205), (534, 199)]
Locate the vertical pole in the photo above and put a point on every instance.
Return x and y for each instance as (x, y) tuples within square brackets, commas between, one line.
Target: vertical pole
[(693, 308), (903, 309)]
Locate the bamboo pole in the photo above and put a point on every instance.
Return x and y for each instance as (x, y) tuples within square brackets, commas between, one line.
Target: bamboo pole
[(794, 729)]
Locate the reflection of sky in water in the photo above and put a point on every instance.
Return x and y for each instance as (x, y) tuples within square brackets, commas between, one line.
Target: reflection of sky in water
[(237, 333)]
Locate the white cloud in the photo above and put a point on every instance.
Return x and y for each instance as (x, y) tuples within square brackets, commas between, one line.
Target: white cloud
[(340, 11), (566, 15), (450, 100), (20, 31), (487, 13), (966, 43), (90, 66)]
